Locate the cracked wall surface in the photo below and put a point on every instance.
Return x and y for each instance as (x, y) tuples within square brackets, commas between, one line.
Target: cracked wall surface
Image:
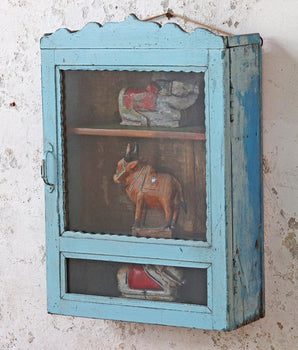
[(24, 323)]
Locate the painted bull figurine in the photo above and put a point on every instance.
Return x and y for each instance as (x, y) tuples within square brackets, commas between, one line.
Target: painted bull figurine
[(149, 189)]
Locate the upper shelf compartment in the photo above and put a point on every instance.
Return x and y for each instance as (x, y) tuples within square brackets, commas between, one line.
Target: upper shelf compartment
[(187, 133), (167, 105)]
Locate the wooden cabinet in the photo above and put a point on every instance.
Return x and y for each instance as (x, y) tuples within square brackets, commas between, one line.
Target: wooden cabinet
[(152, 165)]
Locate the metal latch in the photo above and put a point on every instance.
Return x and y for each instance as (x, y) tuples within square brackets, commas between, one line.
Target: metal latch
[(43, 169)]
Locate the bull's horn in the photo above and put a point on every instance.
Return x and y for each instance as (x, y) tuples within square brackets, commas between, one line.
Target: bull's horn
[(136, 149), (128, 150), (127, 156)]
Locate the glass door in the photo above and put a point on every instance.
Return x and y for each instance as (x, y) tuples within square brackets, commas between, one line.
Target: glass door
[(135, 155)]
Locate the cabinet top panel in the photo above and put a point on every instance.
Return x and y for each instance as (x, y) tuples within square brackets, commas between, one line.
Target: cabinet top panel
[(136, 34)]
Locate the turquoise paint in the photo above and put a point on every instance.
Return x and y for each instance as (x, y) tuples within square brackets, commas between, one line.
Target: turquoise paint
[(51, 198), (247, 189), (148, 59), (154, 250), (216, 184), (132, 314), (131, 34), (243, 40), (232, 183)]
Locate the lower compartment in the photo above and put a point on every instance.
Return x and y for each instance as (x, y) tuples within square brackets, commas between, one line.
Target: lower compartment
[(137, 281)]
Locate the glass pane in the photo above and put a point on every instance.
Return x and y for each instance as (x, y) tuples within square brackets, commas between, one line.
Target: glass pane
[(135, 153), (151, 282)]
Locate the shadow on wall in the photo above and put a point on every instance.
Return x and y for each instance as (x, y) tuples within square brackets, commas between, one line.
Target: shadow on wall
[(280, 173), (280, 83), (280, 123)]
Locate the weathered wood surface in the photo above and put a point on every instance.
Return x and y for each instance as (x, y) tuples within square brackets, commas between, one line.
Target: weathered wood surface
[(247, 196), (244, 40), (141, 46), (131, 33), (51, 198)]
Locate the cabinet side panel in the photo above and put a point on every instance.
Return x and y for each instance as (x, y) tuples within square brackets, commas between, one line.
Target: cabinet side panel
[(247, 195)]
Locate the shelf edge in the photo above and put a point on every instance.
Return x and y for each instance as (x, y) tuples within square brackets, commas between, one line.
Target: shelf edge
[(138, 133)]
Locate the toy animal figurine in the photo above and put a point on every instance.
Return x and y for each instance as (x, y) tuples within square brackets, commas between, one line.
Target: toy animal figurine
[(159, 104), (151, 282), (149, 189)]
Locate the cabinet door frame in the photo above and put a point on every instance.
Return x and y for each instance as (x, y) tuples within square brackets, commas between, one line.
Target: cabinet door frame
[(63, 244)]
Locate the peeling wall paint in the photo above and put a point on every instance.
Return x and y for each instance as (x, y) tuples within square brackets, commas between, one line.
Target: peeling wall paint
[(24, 323)]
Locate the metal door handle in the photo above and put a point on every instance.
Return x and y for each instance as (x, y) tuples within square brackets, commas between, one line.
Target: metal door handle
[(43, 169)]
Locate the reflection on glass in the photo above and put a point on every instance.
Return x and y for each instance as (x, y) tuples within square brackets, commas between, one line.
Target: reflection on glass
[(137, 281), (135, 153)]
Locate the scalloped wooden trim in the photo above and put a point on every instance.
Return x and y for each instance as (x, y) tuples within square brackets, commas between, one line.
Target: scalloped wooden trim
[(132, 33)]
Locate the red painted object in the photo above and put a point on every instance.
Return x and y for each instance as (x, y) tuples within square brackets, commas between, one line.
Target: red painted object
[(138, 278), (142, 99)]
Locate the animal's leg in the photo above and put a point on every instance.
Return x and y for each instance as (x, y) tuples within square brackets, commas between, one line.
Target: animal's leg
[(175, 212), (178, 201), (168, 215), (144, 214), (139, 210)]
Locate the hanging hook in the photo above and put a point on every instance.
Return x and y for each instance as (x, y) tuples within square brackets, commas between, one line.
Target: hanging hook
[(169, 14)]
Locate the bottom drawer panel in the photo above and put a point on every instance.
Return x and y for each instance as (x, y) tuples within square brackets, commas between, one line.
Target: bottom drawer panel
[(136, 281)]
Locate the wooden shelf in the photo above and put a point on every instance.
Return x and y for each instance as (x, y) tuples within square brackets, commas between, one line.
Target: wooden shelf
[(177, 133)]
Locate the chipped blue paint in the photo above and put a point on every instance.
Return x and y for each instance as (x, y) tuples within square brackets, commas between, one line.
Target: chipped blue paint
[(243, 40), (247, 189), (233, 176)]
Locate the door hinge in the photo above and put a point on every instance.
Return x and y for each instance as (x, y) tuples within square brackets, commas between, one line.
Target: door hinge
[(231, 102)]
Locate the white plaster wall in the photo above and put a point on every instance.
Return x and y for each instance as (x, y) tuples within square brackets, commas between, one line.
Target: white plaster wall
[(24, 323)]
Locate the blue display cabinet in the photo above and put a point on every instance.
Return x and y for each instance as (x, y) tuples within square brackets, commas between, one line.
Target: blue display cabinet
[(152, 169)]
